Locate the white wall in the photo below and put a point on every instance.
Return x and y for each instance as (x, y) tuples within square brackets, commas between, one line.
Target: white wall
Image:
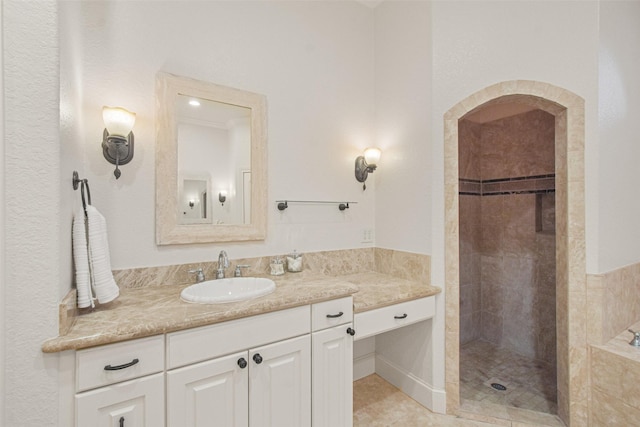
[(313, 61), (32, 208), (403, 111), (619, 127), (479, 43)]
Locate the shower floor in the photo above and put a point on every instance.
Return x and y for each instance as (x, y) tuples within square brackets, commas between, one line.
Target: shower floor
[(530, 384)]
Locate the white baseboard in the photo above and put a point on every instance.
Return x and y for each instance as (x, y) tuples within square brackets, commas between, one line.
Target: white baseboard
[(364, 366), (423, 393)]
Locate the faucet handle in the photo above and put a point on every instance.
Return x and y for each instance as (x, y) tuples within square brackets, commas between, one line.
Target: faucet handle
[(636, 338), (238, 272), (199, 274)]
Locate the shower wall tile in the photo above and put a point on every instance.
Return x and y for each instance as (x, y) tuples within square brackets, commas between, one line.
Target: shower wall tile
[(470, 327), (493, 286), (469, 149), (517, 262), (521, 145), (492, 328), (491, 209), (519, 236)]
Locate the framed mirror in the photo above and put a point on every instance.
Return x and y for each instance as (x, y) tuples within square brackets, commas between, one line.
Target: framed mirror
[(211, 162)]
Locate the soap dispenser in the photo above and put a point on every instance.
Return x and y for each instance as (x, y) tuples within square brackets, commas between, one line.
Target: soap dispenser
[(294, 262), (277, 266)]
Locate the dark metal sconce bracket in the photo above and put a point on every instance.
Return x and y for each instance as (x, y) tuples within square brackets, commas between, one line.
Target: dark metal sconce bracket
[(362, 170), (117, 150)]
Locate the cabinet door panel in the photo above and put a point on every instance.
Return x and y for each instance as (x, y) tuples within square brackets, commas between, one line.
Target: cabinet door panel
[(135, 403), (212, 393), (333, 377), (280, 384)]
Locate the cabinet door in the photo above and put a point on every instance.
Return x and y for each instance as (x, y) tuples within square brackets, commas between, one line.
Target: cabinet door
[(212, 393), (135, 403), (280, 384), (333, 377)]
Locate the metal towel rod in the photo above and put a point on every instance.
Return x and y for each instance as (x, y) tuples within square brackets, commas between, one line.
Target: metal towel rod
[(284, 204)]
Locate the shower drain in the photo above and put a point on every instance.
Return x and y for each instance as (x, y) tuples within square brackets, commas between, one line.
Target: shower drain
[(498, 386)]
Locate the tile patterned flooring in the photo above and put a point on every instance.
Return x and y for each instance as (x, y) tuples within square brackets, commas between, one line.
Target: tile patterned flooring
[(377, 403), (531, 384)]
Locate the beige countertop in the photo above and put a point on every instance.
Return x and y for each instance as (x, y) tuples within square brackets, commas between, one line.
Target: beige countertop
[(620, 345), (156, 310)]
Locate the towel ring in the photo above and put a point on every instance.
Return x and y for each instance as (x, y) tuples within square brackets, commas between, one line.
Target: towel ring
[(82, 183), (85, 183)]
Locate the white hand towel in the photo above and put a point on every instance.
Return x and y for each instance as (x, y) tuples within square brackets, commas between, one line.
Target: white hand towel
[(81, 260), (104, 285)]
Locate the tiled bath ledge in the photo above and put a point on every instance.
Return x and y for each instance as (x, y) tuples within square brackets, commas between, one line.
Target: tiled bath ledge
[(615, 389), (154, 309)]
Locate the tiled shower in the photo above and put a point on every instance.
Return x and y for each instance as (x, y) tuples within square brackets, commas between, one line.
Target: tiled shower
[(507, 258)]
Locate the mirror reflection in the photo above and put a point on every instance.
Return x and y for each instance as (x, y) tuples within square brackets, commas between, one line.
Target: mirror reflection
[(214, 143), (211, 162)]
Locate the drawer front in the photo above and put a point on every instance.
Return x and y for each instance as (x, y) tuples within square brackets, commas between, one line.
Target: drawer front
[(331, 313), (109, 364), (207, 342), (135, 403), (394, 316)]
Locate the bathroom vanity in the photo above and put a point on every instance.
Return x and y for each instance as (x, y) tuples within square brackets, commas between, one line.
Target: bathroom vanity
[(282, 360)]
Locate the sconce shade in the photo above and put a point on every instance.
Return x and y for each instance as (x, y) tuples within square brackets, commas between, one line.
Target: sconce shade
[(372, 156), (118, 121)]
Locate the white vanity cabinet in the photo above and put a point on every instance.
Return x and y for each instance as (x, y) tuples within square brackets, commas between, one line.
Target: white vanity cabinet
[(288, 368), (332, 339), (215, 390), (121, 385), (265, 384)]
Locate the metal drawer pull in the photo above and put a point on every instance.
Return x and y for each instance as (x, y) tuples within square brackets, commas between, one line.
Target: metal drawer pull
[(333, 316), (118, 367), (404, 316)]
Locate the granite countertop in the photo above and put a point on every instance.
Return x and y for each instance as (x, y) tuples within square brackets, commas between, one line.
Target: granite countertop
[(156, 310)]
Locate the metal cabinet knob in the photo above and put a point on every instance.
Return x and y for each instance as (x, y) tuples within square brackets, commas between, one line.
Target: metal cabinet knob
[(351, 331), (257, 358), (242, 363)]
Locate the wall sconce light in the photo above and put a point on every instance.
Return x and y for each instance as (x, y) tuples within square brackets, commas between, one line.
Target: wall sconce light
[(222, 197), (192, 203), (117, 137), (367, 164)]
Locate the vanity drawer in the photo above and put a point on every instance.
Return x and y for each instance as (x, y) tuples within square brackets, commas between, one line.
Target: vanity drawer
[(207, 342), (331, 313), (394, 316), (108, 364)]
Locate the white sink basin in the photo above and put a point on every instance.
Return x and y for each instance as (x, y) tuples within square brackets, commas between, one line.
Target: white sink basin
[(228, 290)]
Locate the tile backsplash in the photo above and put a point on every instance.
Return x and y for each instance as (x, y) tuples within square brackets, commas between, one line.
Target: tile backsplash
[(406, 265)]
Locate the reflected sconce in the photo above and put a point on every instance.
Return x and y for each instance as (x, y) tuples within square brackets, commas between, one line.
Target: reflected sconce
[(117, 137), (222, 197), (367, 164), (192, 203)]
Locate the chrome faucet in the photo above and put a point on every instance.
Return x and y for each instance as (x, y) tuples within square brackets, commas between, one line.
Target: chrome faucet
[(199, 274), (223, 262)]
